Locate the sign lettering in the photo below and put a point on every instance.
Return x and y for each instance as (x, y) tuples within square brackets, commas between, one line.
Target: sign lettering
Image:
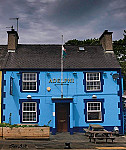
[(54, 80)]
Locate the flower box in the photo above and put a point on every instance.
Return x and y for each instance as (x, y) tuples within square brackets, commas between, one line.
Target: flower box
[(25, 132)]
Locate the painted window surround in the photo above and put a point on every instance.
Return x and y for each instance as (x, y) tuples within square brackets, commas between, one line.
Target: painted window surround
[(101, 80), (37, 101), (102, 110)]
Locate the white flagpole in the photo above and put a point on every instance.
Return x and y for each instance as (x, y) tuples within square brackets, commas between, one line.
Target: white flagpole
[(62, 69)]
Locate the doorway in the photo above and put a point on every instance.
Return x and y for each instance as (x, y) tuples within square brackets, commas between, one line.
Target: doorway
[(62, 117)]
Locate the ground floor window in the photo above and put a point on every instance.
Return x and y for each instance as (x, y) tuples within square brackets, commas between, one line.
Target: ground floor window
[(29, 112), (94, 111)]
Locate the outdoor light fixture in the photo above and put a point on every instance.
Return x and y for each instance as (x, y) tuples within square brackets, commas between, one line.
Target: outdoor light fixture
[(74, 73), (18, 73), (29, 97), (94, 96), (104, 74), (48, 74), (115, 76)]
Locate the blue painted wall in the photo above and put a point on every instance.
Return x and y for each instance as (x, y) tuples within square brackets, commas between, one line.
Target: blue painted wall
[(74, 90)]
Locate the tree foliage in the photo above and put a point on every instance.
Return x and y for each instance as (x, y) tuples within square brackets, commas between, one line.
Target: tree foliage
[(119, 47), (76, 42)]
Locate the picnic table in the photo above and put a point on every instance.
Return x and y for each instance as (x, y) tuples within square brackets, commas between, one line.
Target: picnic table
[(96, 131), (93, 127)]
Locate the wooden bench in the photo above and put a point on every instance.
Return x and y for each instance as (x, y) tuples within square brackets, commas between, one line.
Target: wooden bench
[(101, 138)]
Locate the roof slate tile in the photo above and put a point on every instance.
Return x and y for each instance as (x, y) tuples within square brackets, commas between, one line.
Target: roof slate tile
[(49, 57)]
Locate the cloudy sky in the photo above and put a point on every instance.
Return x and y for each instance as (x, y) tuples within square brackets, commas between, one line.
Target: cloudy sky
[(44, 21)]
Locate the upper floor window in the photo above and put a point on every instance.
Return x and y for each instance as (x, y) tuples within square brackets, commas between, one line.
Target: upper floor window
[(29, 81), (93, 81)]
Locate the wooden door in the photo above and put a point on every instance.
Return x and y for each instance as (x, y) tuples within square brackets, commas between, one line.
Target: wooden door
[(62, 113)]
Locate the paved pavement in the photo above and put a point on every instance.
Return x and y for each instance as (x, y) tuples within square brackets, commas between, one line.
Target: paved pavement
[(77, 141)]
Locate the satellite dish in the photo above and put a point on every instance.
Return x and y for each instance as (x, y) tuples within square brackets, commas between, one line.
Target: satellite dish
[(115, 76)]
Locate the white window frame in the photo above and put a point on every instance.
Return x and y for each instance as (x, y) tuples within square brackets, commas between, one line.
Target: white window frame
[(29, 111), (90, 111), (99, 80), (29, 80)]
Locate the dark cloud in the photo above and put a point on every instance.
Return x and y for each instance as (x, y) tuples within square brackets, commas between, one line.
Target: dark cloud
[(44, 21), (75, 12)]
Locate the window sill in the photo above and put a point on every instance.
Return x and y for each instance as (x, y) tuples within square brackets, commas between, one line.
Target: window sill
[(94, 121), (29, 91), (93, 91)]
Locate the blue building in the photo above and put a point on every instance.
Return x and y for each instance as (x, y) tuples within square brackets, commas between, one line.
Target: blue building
[(31, 85)]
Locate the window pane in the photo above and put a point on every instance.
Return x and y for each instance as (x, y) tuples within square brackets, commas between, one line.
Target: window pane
[(94, 116), (31, 76), (32, 85), (93, 85), (28, 76)]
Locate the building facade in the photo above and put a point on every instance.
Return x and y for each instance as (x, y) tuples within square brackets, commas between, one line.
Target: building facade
[(31, 85)]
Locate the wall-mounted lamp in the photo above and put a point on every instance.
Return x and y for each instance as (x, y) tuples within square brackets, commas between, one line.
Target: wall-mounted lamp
[(104, 74), (29, 97), (48, 74), (18, 73), (74, 73), (115, 76), (94, 96)]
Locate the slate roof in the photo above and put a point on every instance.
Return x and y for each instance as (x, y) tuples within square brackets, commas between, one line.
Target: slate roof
[(49, 57)]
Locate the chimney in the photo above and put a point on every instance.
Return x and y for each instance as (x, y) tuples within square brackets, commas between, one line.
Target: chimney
[(12, 40), (106, 41)]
